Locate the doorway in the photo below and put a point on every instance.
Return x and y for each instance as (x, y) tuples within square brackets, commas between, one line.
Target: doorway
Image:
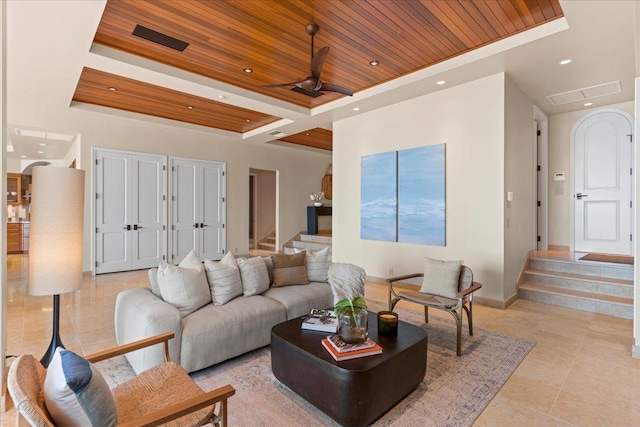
[(262, 210), (541, 180), (602, 183)]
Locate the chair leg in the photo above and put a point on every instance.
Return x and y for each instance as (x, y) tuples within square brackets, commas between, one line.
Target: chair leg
[(469, 316), (458, 318), (426, 314)]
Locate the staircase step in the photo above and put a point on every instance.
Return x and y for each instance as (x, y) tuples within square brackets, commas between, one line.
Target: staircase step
[(270, 239), (267, 246), (579, 300), (314, 238), (579, 282), (587, 268)]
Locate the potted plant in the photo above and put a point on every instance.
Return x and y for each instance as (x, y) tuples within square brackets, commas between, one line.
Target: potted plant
[(352, 319)]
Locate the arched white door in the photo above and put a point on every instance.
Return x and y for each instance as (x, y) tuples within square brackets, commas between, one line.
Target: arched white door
[(602, 183)]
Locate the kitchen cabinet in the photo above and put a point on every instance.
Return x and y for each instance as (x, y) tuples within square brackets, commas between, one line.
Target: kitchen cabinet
[(14, 188), (18, 237)]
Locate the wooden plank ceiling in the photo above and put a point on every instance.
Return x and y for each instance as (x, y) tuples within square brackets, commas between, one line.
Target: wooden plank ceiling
[(268, 36)]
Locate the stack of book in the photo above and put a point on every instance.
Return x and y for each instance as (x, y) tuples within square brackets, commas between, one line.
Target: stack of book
[(320, 320), (341, 350)]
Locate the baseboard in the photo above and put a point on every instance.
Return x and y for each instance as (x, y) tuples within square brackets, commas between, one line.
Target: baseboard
[(376, 280), (495, 303), (559, 248), (635, 351)]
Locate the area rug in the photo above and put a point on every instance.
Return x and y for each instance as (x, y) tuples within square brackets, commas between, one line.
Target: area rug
[(454, 391), (618, 259)]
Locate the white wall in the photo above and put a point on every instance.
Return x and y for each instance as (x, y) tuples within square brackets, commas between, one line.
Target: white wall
[(519, 178), (266, 204), (560, 197), (469, 119), (299, 170)]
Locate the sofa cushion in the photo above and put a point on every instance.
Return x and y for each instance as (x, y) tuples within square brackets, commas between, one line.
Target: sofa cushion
[(289, 269), (441, 277), (300, 300), (254, 275), (76, 394), (224, 279), (216, 333), (317, 265), (184, 286)]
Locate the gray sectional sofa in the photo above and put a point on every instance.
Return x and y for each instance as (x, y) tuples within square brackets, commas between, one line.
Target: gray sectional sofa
[(212, 333)]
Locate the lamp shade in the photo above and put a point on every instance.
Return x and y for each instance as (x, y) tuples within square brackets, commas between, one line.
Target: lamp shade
[(55, 242)]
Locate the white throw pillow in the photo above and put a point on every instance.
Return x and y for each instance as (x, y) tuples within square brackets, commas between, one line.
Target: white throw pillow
[(184, 286), (254, 274), (76, 394), (224, 279), (317, 265), (441, 277)]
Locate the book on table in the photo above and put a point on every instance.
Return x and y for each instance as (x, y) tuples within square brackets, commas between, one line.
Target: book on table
[(355, 354), (345, 347), (320, 320)]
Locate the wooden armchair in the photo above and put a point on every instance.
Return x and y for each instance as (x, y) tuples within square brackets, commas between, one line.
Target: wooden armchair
[(455, 306), (162, 394)]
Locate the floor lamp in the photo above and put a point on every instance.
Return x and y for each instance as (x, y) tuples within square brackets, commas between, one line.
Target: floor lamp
[(55, 243)]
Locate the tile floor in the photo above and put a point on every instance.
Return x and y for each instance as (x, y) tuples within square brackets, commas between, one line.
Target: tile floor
[(580, 373)]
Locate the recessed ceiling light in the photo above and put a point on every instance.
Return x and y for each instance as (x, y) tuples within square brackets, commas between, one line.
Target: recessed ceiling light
[(247, 120), (565, 62), (440, 82), (113, 89), (40, 152), (189, 107), (356, 109), (23, 156), (42, 144), (307, 133), (222, 97), (374, 63), (247, 70), (588, 104)]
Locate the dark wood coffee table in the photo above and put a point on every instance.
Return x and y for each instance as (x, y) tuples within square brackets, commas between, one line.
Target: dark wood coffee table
[(354, 392)]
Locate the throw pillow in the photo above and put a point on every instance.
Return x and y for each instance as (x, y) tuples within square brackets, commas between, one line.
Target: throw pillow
[(184, 286), (76, 394), (269, 262), (224, 279), (254, 274), (289, 269), (441, 277), (153, 282), (317, 265)]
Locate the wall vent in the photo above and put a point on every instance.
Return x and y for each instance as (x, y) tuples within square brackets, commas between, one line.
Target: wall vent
[(585, 93), (156, 37)]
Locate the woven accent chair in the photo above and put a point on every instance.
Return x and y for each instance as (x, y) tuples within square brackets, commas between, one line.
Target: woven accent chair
[(455, 306), (164, 394)]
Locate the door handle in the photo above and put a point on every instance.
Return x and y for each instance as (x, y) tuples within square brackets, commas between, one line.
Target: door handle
[(137, 227), (128, 227), (203, 225), (196, 225), (579, 196)]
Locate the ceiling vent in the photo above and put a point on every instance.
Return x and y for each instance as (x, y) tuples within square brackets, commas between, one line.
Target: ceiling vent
[(585, 93), (156, 37), (277, 134)]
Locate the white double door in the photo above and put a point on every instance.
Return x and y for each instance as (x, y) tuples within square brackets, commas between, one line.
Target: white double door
[(130, 206), (602, 182), (197, 209)]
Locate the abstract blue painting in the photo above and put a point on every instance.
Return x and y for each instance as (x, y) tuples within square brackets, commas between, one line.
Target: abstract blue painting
[(378, 197), (421, 195)]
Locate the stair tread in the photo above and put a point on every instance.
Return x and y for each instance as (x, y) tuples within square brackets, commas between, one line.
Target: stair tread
[(574, 293), (584, 262), (601, 279)]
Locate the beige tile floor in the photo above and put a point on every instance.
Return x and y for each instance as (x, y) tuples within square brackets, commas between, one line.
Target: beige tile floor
[(580, 373)]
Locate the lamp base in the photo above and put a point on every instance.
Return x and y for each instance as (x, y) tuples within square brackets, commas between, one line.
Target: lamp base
[(55, 339)]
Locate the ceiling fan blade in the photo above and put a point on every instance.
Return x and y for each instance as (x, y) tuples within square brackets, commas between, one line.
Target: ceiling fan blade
[(318, 61), (328, 87), (297, 83)]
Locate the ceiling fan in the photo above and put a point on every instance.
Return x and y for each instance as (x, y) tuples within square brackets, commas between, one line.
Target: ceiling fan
[(312, 85)]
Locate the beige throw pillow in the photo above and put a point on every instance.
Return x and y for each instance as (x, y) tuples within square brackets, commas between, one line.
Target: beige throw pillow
[(184, 286), (441, 277), (254, 274), (289, 269), (317, 265), (224, 279)]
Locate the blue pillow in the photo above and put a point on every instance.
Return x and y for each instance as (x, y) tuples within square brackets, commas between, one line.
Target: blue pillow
[(76, 394)]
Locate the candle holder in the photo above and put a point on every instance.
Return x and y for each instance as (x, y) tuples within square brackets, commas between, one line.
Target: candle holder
[(388, 323)]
